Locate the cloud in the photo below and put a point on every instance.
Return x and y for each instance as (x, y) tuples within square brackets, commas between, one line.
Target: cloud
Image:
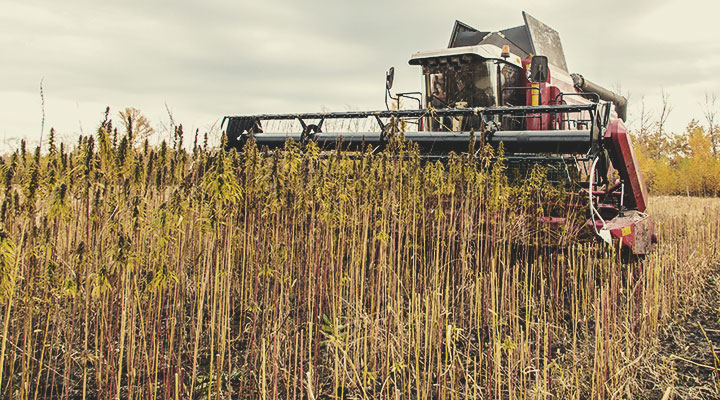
[(209, 59)]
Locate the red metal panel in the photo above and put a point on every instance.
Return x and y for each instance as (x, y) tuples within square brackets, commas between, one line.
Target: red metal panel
[(635, 230), (618, 143)]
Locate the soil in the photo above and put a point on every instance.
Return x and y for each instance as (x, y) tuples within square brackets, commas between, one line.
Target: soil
[(685, 365)]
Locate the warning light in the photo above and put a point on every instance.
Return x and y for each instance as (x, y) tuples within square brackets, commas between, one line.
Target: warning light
[(505, 51)]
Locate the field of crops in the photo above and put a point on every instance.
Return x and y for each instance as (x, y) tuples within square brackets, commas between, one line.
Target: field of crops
[(129, 271)]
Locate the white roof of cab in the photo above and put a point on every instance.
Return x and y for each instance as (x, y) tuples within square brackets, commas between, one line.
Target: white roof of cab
[(485, 51)]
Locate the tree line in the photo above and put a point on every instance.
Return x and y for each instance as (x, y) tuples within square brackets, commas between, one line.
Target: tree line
[(686, 163)]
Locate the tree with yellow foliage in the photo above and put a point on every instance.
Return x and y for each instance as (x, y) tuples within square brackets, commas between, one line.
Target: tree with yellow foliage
[(137, 126), (679, 164)]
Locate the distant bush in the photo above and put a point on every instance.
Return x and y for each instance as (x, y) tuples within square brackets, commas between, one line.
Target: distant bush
[(679, 164)]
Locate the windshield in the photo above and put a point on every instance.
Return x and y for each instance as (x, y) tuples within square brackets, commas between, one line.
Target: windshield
[(469, 85), (473, 85)]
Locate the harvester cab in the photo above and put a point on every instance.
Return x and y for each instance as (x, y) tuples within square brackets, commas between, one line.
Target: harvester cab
[(511, 87)]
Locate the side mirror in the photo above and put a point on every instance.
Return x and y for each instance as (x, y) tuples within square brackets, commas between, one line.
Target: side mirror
[(389, 78), (538, 69)]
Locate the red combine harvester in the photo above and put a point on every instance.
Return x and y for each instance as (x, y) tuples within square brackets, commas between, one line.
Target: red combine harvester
[(509, 87)]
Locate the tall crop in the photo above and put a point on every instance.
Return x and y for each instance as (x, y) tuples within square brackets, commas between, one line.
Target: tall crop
[(138, 272)]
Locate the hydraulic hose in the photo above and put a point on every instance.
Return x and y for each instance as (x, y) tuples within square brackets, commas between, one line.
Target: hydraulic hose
[(593, 210)]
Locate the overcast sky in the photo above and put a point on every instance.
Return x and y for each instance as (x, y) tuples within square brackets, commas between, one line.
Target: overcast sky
[(212, 58)]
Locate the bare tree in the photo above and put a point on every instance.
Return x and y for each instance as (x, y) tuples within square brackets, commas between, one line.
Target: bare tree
[(42, 105), (665, 111), (645, 119), (710, 109), (136, 125)]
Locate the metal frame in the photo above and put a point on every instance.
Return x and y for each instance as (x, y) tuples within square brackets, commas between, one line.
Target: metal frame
[(450, 112), (240, 128)]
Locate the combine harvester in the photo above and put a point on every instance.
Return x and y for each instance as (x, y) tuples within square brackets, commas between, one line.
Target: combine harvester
[(509, 87)]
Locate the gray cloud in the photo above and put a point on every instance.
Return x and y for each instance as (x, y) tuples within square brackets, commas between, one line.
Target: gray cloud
[(208, 59)]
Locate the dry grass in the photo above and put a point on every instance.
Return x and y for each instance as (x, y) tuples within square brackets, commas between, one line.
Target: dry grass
[(153, 273), (682, 359)]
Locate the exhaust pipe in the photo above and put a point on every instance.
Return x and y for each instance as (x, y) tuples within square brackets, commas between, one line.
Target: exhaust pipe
[(585, 85)]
